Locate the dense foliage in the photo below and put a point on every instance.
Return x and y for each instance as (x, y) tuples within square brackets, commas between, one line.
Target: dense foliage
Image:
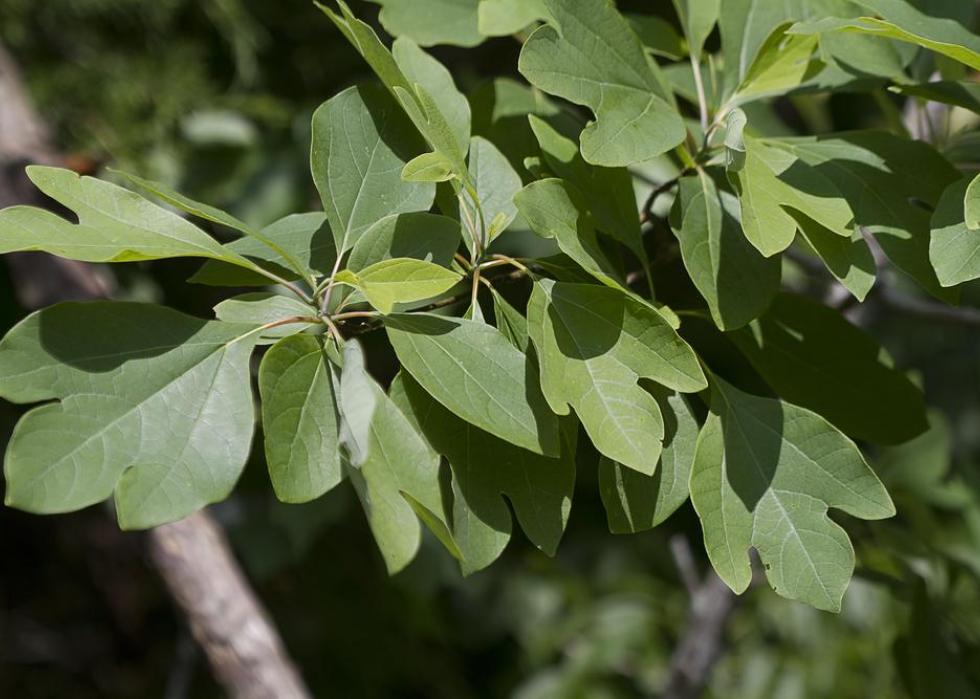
[(650, 303)]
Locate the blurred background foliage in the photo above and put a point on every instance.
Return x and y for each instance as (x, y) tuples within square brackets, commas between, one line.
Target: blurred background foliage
[(215, 96)]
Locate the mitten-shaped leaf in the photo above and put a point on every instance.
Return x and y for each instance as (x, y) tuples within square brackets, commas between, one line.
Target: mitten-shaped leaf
[(150, 404), (765, 474), (591, 56), (594, 344)]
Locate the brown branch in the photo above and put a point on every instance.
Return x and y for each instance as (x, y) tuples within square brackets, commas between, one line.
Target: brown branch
[(192, 556), (246, 654), (712, 603)]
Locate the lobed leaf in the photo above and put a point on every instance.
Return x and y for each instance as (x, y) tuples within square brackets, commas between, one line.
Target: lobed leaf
[(594, 344), (590, 55), (765, 473), (150, 404)]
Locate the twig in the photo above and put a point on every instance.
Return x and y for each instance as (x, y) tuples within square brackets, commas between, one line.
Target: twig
[(712, 603), (680, 549), (646, 214)]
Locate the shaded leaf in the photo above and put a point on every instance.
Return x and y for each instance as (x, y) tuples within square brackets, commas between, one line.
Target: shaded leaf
[(608, 192), (556, 209), (476, 373), (263, 307), (765, 473), (592, 57), (897, 19), (300, 419), (848, 259), (361, 142), (485, 469), (737, 282), (594, 344), (150, 404), (306, 237), (886, 180), (421, 236), (393, 470), (636, 502), (811, 356)]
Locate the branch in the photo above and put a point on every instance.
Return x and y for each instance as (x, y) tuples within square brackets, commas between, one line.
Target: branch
[(712, 603), (227, 620), (192, 556)]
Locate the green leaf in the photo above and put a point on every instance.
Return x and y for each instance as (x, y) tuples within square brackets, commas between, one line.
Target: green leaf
[(477, 374), (636, 502), (746, 25), (897, 19), (300, 419), (971, 204), (510, 322), (884, 178), (698, 18), (421, 236), (393, 469), (505, 17), (784, 62), (431, 22), (608, 192), (737, 282), (263, 307), (485, 470), (361, 142), (592, 57), (594, 344), (955, 248), (959, 94), (148, 403), (306, 237), (773, 185), (848, 259), (400, 280), (811, 356), (428, 167), (422, 70), (556, 209), (215, 215), (496, 183), (658, 36), (765, 473), (415, 95), (114, 225)]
